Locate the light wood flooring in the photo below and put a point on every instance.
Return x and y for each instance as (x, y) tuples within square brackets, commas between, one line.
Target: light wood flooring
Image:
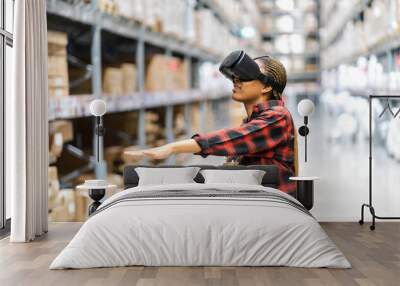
[(374, 255)]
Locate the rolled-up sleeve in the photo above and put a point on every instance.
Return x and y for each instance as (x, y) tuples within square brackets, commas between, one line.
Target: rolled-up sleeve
[(261, 134), (202, 142)]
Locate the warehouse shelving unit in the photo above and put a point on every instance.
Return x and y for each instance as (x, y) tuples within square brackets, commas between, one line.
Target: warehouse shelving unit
[(273, 34), (220, 13), (383, 49), (383, 52), (351, 14), (296, 78), (98, 21)]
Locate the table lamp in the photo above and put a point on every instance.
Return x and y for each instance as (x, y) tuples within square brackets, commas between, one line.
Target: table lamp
[(305, 185), (305, 108), (97, 188)]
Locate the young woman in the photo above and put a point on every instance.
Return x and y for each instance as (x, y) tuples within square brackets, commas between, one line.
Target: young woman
[(265, 137)]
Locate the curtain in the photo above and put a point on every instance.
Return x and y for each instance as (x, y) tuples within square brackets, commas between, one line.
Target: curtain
[(27, 123)]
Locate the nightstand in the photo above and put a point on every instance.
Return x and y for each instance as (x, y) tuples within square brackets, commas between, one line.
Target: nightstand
[(96, 190), (305, 190)]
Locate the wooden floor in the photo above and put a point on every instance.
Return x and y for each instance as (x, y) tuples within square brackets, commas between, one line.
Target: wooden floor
[(375, 257)]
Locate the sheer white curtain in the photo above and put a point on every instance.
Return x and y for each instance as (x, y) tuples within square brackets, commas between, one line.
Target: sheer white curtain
[(26, 123)]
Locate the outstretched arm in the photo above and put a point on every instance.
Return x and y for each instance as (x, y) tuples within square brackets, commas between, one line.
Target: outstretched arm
[(162, 152), (255, 136)]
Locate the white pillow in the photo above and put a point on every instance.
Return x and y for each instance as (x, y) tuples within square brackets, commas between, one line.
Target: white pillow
[(249, 177), (163, 176)]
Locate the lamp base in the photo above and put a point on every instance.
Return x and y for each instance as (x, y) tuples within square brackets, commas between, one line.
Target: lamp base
[(303, 130), (96, 195)]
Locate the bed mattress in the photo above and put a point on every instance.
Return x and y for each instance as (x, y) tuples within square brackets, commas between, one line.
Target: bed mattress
[(201, 225)]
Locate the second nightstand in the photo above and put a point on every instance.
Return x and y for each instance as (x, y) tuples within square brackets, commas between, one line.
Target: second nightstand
[(305, 190)]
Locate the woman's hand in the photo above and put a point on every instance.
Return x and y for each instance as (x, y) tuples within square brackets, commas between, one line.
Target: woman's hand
[(157, 153)]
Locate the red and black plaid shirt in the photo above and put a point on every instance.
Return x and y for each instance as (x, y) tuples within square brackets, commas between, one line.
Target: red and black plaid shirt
[(265, 138)]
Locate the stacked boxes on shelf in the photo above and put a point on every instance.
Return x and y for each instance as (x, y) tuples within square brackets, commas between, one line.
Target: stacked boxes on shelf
[(64, 206), (120, 79), (57, 64), (196, 118), (61, 202), (54, 186), (292, 36), (169, 17), (108, 6), (340, 12), (78, 106), (128, 78), (72, 204), (178, 18), (155, 133), (155, 136), (60, 131), (180, 133), (380, 24), (81, 197), (112, 81), (213, 36), (166, 73)]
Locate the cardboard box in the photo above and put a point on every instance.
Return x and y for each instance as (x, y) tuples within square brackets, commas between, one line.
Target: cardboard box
[(166, 73), (82, 202), (57, 64), (57, 67), (56, 144), (108, 6), (64, 127), (112, 80), (54, 186), (65, 207), (196, 119), (179, 123), (57, 38), (72, 205), (58, 91), (128, 78), (151, 116), (57, 81), (152, 128)]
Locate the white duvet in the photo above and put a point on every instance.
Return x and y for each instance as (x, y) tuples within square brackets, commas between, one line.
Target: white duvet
[(200, 231)]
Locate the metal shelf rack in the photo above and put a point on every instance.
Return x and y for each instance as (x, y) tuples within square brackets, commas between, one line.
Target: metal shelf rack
[(304, 76), (77, 106), (314, 57), (352, 14), (385, 46), (90, 15)]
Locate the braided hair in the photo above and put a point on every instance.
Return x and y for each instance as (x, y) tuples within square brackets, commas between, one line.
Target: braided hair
[(275, 69)]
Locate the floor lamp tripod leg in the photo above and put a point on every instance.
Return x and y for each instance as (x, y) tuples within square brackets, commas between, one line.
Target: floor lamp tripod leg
[(361, 221), (372, 210)]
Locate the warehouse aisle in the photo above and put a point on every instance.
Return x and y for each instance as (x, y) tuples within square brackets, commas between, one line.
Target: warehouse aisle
[(343, 169)]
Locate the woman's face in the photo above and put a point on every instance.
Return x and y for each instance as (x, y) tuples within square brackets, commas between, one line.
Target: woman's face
[(248, 91)]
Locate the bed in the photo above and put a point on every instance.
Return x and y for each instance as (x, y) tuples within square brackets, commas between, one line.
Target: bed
[(198, 224)]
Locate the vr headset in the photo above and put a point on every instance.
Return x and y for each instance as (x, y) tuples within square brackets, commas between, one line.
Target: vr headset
[(239, 65)]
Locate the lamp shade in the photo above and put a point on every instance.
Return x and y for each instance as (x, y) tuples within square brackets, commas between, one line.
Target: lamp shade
[(305, 107), (98, 107)]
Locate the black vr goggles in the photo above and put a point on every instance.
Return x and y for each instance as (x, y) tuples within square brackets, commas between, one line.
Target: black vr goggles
[(239, 65)]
